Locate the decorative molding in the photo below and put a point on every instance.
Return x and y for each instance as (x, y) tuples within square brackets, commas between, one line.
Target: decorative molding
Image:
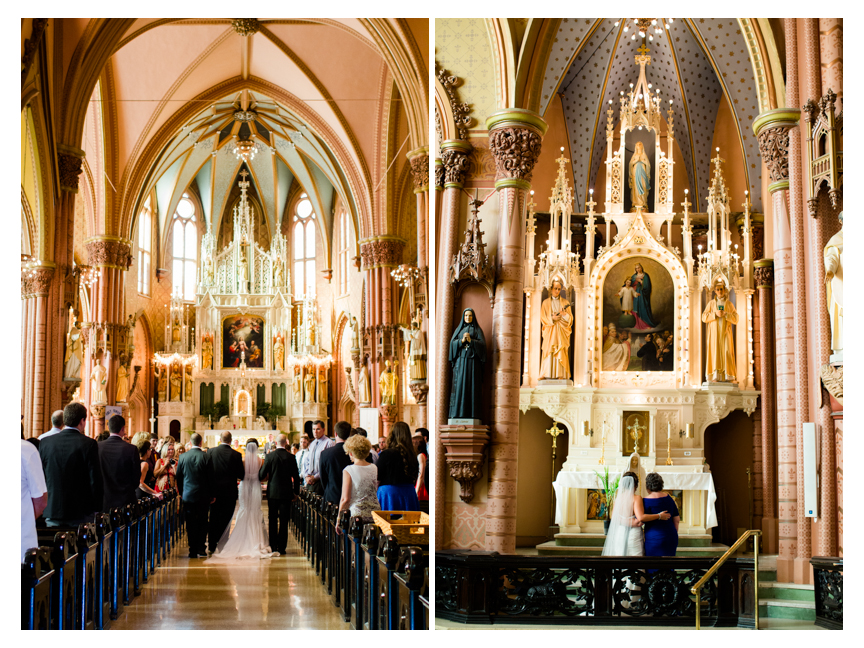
[(109, 252), (465, 454), (420, 172), (763, 274), (381, 252), (455, 166), (246, 26), (439, 174), (31, 45), (516, 151), (420, 390), (37, 282), (70, 165), (774, 149), (470, 261), (461, 111)]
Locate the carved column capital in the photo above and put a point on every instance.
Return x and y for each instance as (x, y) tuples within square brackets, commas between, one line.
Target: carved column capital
[(763, 273), (382, 251), (515, 137), (70, 164), (419, 160), (419, 390), (772, 130), (454, 155), (109, 252), (439, 174), (36, 281), (388, 413)]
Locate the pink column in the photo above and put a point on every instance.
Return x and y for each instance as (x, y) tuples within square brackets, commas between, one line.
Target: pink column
[(831, 56), (455, 164), (764, 276), (514, 139)]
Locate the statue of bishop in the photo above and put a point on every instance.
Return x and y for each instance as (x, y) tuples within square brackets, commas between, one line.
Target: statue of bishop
[(834, 288)]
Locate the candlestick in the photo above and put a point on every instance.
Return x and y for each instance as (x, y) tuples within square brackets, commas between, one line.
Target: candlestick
[(669, 444), (603, 446)]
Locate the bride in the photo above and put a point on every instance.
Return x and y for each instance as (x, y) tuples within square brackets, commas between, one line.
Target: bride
[(625, 530), (248, 540)]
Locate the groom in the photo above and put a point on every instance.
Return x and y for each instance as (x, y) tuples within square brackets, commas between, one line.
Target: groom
[(283, 487), (226, 465)]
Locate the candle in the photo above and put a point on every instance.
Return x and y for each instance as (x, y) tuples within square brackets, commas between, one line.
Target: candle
[(669, 430)]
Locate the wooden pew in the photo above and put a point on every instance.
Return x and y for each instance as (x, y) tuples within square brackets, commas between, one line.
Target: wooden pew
[(104, 587), (85, 577), (369, 546), (354, 598), (134, 551), (37, 578), (340, 564), (424, 598), (388, 554), (63, 554), (410, 576), (119, 561)]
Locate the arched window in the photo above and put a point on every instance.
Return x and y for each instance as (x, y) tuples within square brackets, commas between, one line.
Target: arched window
[(343, 254), (184, 236), (145, 236), (304, 249)]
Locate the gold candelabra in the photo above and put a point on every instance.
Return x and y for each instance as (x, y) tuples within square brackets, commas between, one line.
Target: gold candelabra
[(603, 445)]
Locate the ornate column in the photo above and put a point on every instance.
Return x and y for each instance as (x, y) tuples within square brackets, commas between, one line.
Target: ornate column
[(454, 155), (772, 129), (112, 255), (515, 137), (831, 55), (419, 159), (380, 254), (35, 288), (763, 275)]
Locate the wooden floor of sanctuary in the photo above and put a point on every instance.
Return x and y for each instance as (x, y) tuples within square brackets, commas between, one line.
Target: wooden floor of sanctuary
[(282, 593)]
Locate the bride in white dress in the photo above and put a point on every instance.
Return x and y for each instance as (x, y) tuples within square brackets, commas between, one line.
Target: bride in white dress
[(249, 537), (625, 530)]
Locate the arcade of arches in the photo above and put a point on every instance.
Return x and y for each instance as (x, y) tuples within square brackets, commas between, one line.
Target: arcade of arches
[(633, 174), (223, 222)]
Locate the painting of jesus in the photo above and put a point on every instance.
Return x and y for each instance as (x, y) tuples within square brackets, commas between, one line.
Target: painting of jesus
[(242, 339)]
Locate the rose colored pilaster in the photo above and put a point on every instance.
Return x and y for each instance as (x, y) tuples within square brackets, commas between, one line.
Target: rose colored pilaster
[(419, 159), (515, 137), (764, 280), (831, 55), (772, 129), (35, 288), (454, 154)]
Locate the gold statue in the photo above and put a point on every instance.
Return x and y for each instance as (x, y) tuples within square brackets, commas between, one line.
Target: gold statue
[(188, 384), (207, 351), (322, 385), (122, 383), (162, 374), (719, 316), (557, 324), (834, 280), (176, 383), (388, 382), (298, 386), (279, 353)]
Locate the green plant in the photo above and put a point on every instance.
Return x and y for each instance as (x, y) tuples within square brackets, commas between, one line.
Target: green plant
[(218, 410), (610, 488)]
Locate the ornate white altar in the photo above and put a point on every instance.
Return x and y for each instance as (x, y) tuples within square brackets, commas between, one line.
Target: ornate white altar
[(676, 401)]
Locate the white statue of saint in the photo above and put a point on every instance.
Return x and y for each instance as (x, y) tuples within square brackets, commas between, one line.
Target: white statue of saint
[(309, 385), (719, 316), (298, 387), (640, 178), (122, 383), (74, 354), (834, 288), (415, 339), (364, 389), (557, 324), (98, 384), (242, 274), (355, 333), (279, 354)]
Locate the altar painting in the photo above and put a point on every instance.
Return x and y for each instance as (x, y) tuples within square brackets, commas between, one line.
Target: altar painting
[(242, 334), (678, 495), (638, 317), (596, 504)]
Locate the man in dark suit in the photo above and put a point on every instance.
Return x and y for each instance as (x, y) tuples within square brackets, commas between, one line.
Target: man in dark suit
[(648, 353), (194, 483), (121, 468), (333, 462), (70, 461), (283, 487), (226, 466)]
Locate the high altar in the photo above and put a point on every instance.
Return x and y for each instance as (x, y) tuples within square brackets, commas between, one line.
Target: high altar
[(638, 350), (251, 344)]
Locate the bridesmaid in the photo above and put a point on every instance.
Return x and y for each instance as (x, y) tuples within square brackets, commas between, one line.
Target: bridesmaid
[(661, 517)]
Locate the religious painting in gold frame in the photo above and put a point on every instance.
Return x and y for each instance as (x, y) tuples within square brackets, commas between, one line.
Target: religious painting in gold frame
[(595, 504), (678, 495), (636, 423)]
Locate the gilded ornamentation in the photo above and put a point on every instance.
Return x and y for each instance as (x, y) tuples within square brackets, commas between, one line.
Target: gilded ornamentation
[(419, 390), (37, 282), (455, 166), (246, 26), (69, 167), (516, 151), (774, 149), (108, 252), (381, 252), (420, 172), (461, 111)]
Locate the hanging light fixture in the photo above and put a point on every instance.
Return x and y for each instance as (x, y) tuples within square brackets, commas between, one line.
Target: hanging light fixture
[(645, 26), (245, 150)]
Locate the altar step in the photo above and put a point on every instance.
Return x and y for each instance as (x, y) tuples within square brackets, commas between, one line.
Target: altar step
[(786, 601), (591, 544)]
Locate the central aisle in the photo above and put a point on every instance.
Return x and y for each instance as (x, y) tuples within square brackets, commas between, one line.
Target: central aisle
[(277, 594)]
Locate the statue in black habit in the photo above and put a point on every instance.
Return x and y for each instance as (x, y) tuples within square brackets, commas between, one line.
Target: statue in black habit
[(467, 356)]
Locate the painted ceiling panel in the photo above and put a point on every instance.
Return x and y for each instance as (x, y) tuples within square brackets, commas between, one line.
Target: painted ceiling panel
[(191, 165), (203, 181), (571, 33), (284, 179), (165, 190), (468, 55), (262, 169)]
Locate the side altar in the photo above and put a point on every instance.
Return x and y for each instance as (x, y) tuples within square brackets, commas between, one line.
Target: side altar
[(639, 349)]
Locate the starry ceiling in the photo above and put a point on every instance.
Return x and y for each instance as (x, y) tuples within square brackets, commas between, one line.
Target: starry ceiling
[(695, 63)]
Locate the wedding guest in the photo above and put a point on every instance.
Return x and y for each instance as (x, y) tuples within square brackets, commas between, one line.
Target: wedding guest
[(70, 461), (359, 482), (56, 425), (423, 475), (661, 518), (295, 448), (121, 468), (165, 471), (194, 483), (313, 458), (103, 436), (147, 481), (34, 495), (301, 456), (333, 461), (397, 471), (373, 453)]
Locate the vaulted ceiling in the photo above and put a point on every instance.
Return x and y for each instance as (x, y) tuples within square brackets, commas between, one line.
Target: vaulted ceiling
[(697, 63)]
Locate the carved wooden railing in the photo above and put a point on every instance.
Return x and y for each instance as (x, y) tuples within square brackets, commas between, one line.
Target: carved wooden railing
[(486, 587), (828, 591)]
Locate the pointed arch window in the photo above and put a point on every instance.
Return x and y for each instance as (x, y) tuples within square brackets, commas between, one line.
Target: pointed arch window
[(184, 248), (145, 237), (304, 249)]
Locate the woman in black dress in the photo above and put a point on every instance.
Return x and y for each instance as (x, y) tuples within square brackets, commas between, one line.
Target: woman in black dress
[(397, 471)]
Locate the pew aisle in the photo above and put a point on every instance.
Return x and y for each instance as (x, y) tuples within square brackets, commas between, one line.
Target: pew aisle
[(276, 594)]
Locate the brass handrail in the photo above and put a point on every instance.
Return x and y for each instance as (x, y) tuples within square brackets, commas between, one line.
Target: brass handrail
[(698, 586)]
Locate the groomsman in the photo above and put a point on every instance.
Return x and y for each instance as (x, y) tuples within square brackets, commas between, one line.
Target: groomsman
[(194, 483), (333, 462), (283, 487), (226, 465), (312, 460)]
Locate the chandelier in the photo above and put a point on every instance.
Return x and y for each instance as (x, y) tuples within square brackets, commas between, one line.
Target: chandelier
[(245, 150), (644, 26), (405, 274)]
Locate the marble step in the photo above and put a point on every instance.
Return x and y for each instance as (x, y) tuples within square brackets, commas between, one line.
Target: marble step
[(554, 549), (597, 540), (785, 591), (784, 609)]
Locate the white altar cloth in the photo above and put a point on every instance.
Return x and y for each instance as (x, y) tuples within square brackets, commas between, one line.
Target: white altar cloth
[(673, 480)]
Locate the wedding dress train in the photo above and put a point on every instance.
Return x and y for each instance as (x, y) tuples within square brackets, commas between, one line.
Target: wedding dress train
[(249, 537)]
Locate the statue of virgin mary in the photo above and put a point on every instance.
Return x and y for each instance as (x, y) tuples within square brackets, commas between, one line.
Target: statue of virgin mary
[(640, 178)]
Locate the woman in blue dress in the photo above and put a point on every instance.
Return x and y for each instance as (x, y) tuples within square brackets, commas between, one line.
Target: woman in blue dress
[(641, 282), (661, 517)]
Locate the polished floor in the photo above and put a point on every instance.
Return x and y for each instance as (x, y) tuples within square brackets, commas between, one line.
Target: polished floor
[(281, 593)]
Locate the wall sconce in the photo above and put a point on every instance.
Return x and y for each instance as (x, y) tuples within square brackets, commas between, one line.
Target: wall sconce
[(689, 432), (586, 429)]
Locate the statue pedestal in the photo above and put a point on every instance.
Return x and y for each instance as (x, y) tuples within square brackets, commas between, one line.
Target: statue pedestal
[(554, 382), (464, 422), (465, 454)]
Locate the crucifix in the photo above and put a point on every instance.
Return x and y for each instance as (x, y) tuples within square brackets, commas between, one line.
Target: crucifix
[(635, 431), (602, 461), (555, 431)]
